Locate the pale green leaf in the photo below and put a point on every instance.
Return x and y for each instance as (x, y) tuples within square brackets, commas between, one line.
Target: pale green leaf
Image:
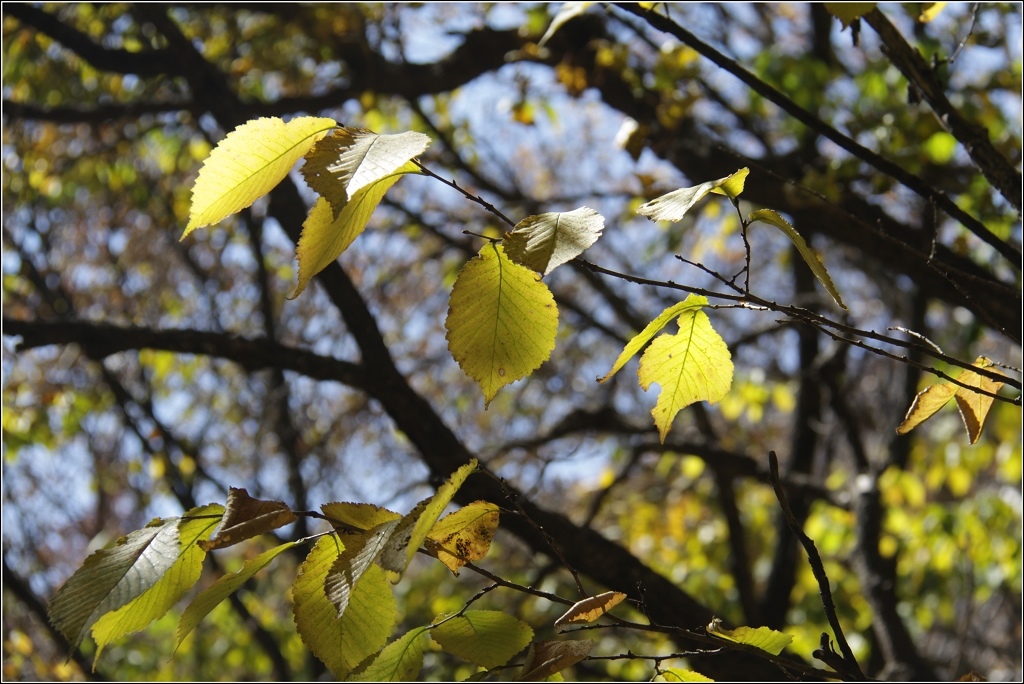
[(546, 658), (210, 598), (248, 163), (502, 320), (324, 237), (401, 661), (567, 11), (810, 258), (653, 328), (764, 638), (152, 604), (465, 535), (246, 517), (675, 674), (486, 637), (359, 516), (674, 205), (692, 365), (549, 240), (352, 159), (849, 12), (590, 609)]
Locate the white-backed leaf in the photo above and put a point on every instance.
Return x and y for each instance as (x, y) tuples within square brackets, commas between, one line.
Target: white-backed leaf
[(248, 163), (361, 551), (486, 637), (809, 256), (246, 517), (547, 241), (674, 205), (351, 159), (567, 11), (590, 609)]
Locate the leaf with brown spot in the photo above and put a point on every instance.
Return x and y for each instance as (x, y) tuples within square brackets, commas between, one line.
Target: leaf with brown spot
[(465, 535)]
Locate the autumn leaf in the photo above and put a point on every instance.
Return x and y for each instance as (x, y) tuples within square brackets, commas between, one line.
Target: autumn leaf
[(549, 240), (674, 205), (465, 535), (546, 658), (974, 407), (590, 609), (246, 517), (764, 638)]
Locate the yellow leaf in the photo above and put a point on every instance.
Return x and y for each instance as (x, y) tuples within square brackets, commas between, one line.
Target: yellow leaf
[(502, 320), (974, 407), (248, 163), (675, 674), (732, 186), (764, 638), (925, 405), (849, 12), (674, 205), (652, 329), (589, 609), (930, 10), (361, 516), (692, 365), (465, 535)]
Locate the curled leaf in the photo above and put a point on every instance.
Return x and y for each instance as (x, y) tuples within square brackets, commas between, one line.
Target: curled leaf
[(589, 609)]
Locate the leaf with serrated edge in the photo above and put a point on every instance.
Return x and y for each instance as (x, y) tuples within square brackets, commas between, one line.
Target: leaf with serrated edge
[(809, 256), (361, 550), (400, 661), (546, 658), (246, 517), (589, 609), (547, 241), (764, 638), (151, 605), (324, 237), (486, 637), (502, 320), (351, 159), (674, 674), (364, 627), (360, 516), (925, 405), (974, 407), (248, 163), (692, 365), (210, 598), (433, 510), (652, 329), (674, 205), (465, 535)]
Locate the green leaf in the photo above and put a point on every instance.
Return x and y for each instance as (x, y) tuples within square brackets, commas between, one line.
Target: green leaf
[(567, 11), (849, 12), (502, 320), (674, 205), (764, 638), (362, 630), (324, 237), (359, 516), (465, 535), (210, 598), (111, 578), (248, 163), (653, 328), (361, 550), (675, 674), (246, 517), (810, 258), (486, 637), (546, 658), (692, 365), (401, 661), (549, 240), (352, 159)]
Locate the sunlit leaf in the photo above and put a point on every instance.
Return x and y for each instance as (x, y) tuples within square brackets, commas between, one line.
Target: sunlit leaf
[(674, 205), (929, 10), (764, 638), (567, 11), (502, 320), (465, 535), (692, 365), (653, 328), (248, 163), (547, 241), (809, 256), (400, 661), (246, 517), (590, 609), (361, 551), (486, 637), (210, 598), (324, 237), (425, 520), (342, 164), (974, 407), (675, 674), (360, 516), (546, 658), (925, 405), (849, 12)]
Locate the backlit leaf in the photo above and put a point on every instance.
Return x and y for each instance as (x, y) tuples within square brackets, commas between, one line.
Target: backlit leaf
[(246, 517), (465, 535), (653, 328), (849, 12), (361, 551), (425, 520), (764, 638), (927, 402), (342, 164), (974, 407), (549, 240), (502, 320), (486, 637), (809, 256), (324, 237), (546, 658), (590, 609), (151, 605), (210, 598), (674, 205), (675, 674), (360, 516), (400, 661), (248, 163), (692, 365)]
